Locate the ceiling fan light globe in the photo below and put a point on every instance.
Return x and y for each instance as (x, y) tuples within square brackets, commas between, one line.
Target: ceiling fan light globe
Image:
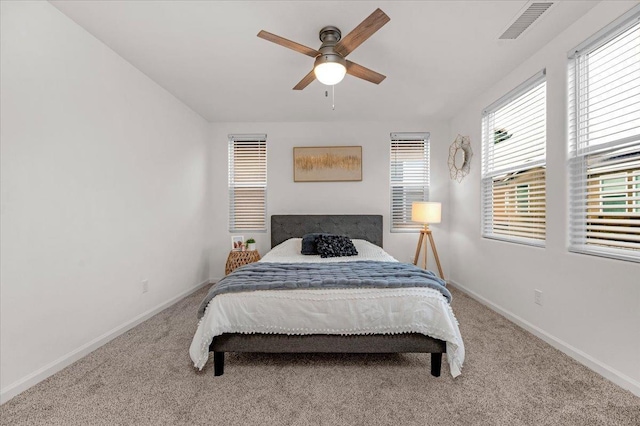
[(330, 73)]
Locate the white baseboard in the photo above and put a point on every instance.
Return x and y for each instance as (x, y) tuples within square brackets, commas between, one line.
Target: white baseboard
[(599, 367), (53, 367)]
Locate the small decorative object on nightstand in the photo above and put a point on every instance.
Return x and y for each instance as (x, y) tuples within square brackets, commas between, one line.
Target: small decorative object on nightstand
[(237, 259), (237, 242)]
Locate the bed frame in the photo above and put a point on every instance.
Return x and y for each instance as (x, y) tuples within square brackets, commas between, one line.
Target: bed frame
[(366, 227)]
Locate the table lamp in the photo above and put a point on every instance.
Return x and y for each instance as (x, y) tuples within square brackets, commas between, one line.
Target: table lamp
[(426, 212)]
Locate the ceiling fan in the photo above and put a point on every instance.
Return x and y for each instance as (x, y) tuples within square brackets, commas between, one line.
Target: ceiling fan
[(330, 64)]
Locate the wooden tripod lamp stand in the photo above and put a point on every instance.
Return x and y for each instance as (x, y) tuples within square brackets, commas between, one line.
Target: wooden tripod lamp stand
[(426, 212)]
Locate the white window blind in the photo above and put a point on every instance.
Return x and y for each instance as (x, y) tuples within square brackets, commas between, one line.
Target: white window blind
[(247, 183), (409, 177), (604, 123), (514, 165)]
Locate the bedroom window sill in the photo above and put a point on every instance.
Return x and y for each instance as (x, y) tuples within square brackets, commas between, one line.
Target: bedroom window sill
[(405, 231), (607, 254), (523, 241)]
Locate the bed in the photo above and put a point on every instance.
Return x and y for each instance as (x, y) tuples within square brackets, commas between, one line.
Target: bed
[(423, 321)]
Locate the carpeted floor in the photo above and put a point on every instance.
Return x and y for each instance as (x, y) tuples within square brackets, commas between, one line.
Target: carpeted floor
[(145, 377)]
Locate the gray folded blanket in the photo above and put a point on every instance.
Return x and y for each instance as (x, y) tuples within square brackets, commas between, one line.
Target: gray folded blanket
[(291, 276)]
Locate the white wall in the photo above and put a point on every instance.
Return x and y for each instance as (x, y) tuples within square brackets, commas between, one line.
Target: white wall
[(371, 196), (591, 305), (104, 183)]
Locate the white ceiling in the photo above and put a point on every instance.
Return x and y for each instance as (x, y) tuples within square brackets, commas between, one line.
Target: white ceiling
[(435, 54)]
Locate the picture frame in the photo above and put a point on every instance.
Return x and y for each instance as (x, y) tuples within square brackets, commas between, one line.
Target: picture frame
[(237, 242), (327, 164)]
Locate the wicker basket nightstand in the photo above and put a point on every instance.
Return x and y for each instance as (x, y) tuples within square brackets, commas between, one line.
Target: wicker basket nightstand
[(237, 259)]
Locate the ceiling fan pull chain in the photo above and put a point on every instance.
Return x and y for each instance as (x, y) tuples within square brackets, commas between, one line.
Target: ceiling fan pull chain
[(333, 95)]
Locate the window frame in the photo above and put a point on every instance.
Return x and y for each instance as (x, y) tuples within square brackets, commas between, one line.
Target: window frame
[(583, 215), (491, 136), (234, 141), (424, 185)]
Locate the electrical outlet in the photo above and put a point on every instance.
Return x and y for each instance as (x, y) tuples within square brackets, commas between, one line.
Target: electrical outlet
[(537, 297), (145, 286)]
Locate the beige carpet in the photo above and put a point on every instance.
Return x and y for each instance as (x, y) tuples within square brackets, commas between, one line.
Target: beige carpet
[(145, 378)]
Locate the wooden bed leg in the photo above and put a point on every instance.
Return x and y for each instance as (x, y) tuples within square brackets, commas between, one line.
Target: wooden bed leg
[(218, 363), (436, 363)]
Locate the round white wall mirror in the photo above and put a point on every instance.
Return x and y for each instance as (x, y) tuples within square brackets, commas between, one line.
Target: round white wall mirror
[(460, 154)]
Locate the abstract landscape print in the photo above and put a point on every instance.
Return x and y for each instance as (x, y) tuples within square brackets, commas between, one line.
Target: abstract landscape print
[(327, 163)]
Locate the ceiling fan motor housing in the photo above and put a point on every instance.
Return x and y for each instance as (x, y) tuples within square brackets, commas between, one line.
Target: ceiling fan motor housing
[(329, 36), (329, 56)]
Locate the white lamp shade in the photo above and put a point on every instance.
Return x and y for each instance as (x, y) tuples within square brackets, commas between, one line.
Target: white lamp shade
[(330, 73), (426, 212)]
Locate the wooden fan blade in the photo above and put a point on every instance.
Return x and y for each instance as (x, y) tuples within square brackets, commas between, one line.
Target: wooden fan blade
[(364, 73), (305, 81), (288, 43), (366, 29)]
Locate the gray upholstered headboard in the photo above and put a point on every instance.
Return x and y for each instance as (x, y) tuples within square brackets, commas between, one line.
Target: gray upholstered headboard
[(364, 227)]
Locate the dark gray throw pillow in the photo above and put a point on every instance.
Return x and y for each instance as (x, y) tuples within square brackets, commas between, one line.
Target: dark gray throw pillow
[(309, 243), (335, 246)]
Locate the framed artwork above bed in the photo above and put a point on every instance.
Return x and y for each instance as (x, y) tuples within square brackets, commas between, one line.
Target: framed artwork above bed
[(327, 163)]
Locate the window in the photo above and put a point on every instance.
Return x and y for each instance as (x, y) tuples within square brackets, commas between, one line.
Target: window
[(247, 183), (604, 118), (409, 177), (514, 165)]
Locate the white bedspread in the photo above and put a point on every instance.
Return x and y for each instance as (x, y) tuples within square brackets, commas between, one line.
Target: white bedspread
[(334, 311)]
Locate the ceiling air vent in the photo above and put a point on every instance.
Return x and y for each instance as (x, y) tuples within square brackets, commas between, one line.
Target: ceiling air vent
[(530, 13)]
